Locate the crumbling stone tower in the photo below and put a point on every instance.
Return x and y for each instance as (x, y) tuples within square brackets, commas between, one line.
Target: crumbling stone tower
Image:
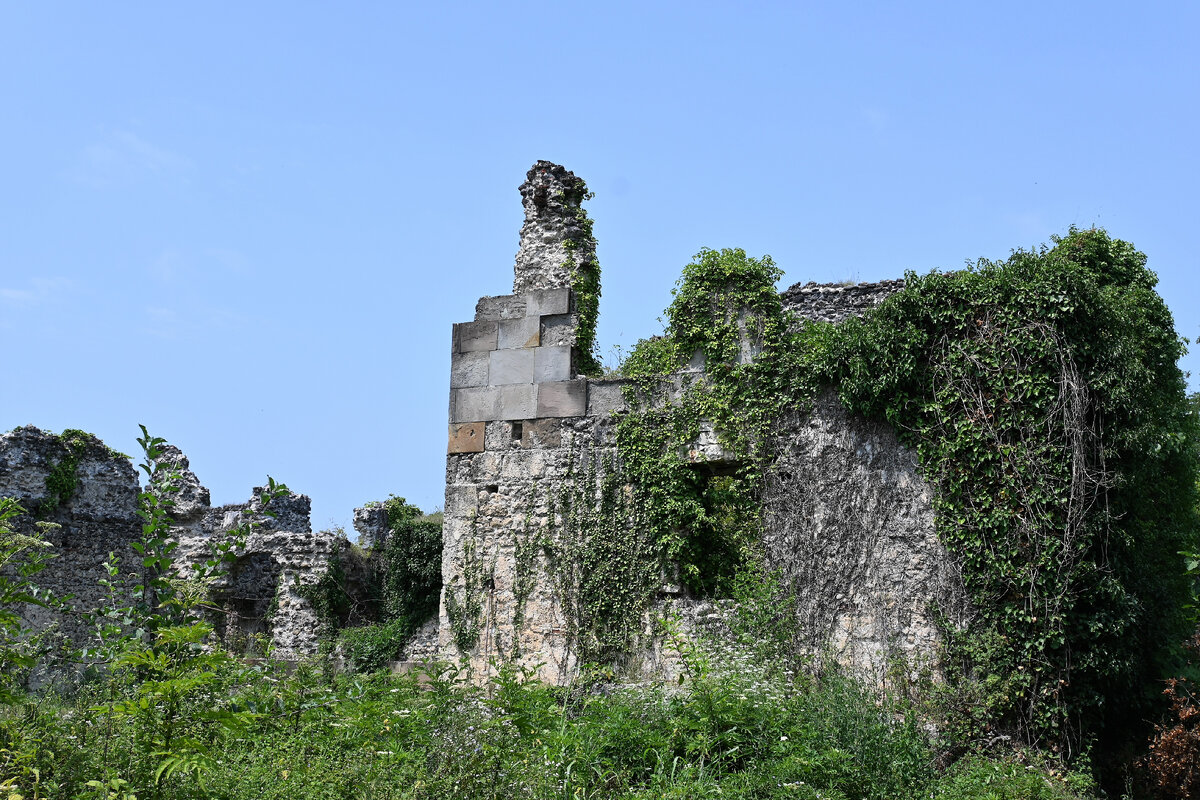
[(519, 409)]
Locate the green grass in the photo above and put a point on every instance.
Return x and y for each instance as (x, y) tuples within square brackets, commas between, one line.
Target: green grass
[(315, 734)]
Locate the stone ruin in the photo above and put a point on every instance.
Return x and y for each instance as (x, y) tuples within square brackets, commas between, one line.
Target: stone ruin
[(849, 521), (261, 599)]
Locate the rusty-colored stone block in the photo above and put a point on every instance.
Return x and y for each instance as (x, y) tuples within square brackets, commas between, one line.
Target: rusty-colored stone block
[(466, 437)]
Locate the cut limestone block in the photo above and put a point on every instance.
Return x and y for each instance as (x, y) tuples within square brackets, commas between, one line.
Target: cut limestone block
[(517, 401), (510, 366), (477, 404), (552, 364), (545, 302), (605, 397), (562, 399), (523, 332), (507, 306), (468, 369), (470, 337)]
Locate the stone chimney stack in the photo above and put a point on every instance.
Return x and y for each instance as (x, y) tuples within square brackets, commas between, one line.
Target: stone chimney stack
[(552, 195)]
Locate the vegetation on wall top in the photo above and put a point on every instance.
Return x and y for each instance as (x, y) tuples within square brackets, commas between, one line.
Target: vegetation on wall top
[(1042, 395)]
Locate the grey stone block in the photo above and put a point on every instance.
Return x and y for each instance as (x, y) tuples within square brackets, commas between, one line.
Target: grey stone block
[(507, 306), (552, 364), (605, 397), (523, 332), (545, 302), (472, 337), (517, 402), (510, 366), (468, 369), (558, 330), (562, 399), (475, 404)]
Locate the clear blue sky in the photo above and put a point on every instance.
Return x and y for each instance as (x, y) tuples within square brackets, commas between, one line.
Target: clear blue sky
[(250, 226)]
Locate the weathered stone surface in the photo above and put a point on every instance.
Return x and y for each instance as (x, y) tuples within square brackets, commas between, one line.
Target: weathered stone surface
[(541, 433), (849, 520), (552, 364), (470, 337), (605, 397), (562, 399), (850, 527), (834, 302), (707, 449), (510, 366), (551, 196), (508, 306), (469, 369), (559, 330), (466, 437), (101, 517), (371, 522), (518, 401), (547, 302), (523, 332), (474, 405)]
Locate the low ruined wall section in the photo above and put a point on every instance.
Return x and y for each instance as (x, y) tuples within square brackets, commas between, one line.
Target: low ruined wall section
[(261, 595)]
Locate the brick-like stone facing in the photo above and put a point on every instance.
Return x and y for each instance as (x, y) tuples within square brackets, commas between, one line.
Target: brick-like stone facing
[(473, 337), (510, 366), (562, 399), (849, 519), (469, 369), (523, 332), (834, 302)]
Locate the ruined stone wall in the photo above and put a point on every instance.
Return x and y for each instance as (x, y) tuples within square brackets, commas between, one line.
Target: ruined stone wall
[(849, 519), (849, 526), (834, 302), (551, 196), (99, 518), (260, 595)]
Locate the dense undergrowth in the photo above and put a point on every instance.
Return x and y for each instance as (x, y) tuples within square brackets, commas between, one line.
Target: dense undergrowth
[(315, 733), (1042, 395)]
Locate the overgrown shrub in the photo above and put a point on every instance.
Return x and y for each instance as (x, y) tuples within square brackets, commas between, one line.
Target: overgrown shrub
[(372, 601)]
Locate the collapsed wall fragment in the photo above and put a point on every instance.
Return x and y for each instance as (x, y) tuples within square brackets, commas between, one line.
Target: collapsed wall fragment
[(261, 604)]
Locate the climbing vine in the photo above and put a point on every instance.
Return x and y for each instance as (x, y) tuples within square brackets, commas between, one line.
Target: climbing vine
[(527, 543), (466, 613), (728, 321), (62, 480), (585, 282), (600, 561), (1042, 397)]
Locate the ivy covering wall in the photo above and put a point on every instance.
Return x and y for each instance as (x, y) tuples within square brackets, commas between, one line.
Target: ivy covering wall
[(1042, 395), (374, 600)]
